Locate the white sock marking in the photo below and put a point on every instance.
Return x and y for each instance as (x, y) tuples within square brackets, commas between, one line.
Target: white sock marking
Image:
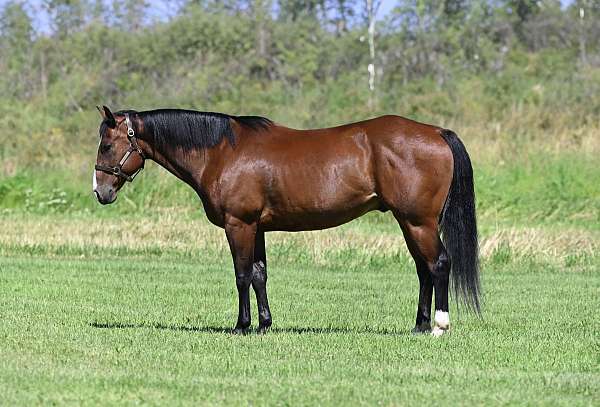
[(442, 319), (441, 323)]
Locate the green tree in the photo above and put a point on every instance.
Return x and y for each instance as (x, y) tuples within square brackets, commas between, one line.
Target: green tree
[(16, 43), (295, 9), (67, 16)]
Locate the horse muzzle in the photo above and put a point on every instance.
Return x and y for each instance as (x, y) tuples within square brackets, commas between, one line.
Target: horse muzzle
[(105, 194)]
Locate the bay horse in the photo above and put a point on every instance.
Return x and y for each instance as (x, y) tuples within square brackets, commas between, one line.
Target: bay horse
[(255, 176)]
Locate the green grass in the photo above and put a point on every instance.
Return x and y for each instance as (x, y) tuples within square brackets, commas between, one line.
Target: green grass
[(92, 324), (132, 303)]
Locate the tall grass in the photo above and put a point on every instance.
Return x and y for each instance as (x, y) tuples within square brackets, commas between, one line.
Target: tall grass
[(536, 188)]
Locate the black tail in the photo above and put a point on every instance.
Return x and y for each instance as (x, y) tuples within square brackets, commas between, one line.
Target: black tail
[(459, 226)]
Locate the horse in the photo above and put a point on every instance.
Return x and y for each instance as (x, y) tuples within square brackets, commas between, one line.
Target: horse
[(255, 176)]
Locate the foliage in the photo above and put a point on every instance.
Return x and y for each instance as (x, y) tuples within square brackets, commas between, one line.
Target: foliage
[(532, 66)]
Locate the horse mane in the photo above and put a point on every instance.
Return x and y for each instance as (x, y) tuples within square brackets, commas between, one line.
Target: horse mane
[(189, 129)]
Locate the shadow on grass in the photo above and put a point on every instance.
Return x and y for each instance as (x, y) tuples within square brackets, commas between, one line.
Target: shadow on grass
[(224, 330)]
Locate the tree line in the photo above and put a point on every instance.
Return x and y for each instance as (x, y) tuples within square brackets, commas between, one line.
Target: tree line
[(311, 62)]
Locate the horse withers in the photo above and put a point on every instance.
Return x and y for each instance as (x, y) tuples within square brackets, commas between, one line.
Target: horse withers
[(255, 176)]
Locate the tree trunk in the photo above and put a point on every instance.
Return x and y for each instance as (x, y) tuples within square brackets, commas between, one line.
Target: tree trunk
[(582, 45), (371, 10)]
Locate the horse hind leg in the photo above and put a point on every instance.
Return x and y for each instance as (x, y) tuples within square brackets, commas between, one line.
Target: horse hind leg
[(433, 268), (441, 276), (423, 319)]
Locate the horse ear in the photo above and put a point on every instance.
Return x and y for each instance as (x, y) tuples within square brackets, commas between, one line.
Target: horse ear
[(108, 116), (101, 112)]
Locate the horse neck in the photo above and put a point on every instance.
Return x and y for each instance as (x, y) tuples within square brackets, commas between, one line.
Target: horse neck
[(188, 166)]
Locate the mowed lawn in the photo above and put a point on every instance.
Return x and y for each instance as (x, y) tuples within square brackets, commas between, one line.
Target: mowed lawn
[(84, 325)]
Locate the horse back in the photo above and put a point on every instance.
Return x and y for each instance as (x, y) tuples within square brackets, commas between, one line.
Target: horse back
[(313, 179)]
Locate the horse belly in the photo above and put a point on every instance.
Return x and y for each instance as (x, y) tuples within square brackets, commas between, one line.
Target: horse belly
[(319, 199), (315, 220)]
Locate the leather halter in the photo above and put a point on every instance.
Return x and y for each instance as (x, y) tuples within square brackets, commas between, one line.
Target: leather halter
[(117, 170)]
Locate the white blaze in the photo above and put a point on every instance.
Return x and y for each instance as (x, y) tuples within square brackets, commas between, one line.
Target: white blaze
[(94, 181)]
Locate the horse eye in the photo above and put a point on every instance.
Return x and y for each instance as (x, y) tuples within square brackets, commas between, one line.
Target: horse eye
[(105, 147)]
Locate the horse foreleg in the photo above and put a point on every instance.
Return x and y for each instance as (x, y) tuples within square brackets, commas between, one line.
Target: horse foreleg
[(241, 237), (259, 283)]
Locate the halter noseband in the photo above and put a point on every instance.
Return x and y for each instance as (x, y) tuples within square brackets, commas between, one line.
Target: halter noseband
[(117, 170)]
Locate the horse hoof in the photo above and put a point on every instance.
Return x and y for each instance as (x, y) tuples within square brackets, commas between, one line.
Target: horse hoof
[(240, 331), (421, 329), (263, 330), (437, 331)]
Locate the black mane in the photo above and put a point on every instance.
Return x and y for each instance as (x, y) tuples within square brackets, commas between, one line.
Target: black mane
[(190, 129)]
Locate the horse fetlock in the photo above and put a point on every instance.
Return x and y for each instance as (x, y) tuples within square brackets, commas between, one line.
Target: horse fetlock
[(265, 320), (264, 325), (240, 331), (441, 323)]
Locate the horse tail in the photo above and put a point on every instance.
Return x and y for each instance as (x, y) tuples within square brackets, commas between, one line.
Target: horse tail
[(459, 227)]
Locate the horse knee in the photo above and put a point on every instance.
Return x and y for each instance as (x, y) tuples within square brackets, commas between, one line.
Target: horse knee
[(243, 280), (259, 273)]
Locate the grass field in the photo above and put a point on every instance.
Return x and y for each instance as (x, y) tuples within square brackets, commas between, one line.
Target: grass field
[(134, 310)]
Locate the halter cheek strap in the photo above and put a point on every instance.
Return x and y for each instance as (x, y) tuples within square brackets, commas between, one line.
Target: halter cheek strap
[(117, 170)]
